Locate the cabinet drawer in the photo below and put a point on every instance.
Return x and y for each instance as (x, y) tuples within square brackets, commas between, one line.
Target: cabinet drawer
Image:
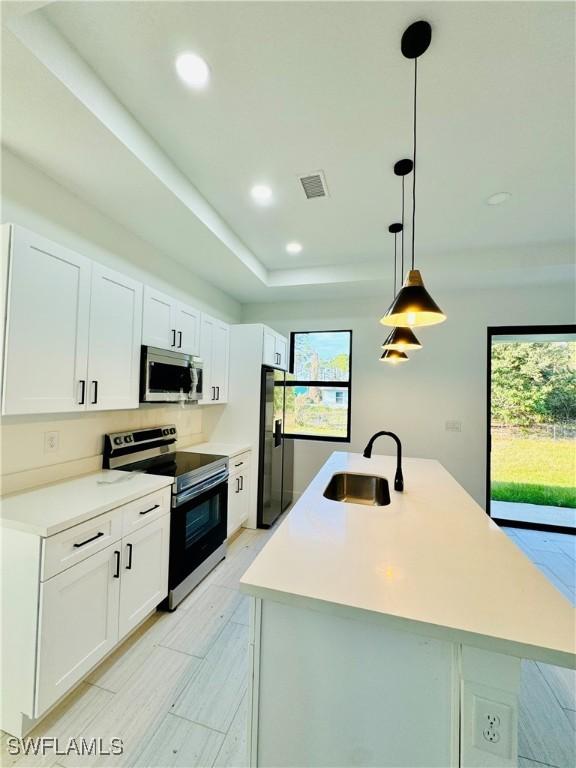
[(69, 547), (239, 464), (143, 511)]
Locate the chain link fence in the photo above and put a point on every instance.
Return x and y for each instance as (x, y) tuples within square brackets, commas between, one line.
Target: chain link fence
[(559, 431)]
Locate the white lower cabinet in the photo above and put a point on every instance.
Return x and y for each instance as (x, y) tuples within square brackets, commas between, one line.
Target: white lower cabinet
[(78, 623), (144, 573), (69, 600), (238, 492)]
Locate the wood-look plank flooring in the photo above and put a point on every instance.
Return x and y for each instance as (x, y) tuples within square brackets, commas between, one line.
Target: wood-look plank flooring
[(176, 690)]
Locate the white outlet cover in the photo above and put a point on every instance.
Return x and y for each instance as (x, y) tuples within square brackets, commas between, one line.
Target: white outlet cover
[(492, 726), (51, 442)]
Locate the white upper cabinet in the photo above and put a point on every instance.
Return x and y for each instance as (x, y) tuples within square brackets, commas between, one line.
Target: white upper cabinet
[(73, 330), (215, 354), (170, 324), (187, 326), (275, 349), (114, 347), (47, 319), (282, 351), (158, 320)]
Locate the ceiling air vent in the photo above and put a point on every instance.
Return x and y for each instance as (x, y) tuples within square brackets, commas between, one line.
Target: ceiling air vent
[(314, 184)]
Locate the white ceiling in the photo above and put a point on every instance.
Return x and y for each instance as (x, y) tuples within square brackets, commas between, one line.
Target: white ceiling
[(298, 86)]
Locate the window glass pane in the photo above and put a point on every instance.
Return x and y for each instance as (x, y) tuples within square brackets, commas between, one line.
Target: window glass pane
[(316, 411), (322, 356)]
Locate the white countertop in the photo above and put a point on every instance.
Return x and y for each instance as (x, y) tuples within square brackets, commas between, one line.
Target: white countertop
[(52, 508), (431, 562), (219, 449)]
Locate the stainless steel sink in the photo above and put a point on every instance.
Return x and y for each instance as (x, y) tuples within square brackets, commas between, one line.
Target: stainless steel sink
[(352, 488)]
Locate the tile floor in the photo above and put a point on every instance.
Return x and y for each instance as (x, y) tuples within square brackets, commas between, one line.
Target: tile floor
[(176, 691)]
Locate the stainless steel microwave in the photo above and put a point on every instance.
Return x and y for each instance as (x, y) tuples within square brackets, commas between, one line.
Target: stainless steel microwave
[(169, 377)]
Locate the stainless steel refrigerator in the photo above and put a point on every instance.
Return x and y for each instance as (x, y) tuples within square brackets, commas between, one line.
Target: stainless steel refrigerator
[(276, 455)]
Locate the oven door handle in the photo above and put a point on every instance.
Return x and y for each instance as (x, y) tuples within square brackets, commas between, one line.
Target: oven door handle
[(196, 490)]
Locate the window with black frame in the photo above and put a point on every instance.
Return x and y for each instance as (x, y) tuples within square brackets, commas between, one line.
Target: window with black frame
[(318, 387)]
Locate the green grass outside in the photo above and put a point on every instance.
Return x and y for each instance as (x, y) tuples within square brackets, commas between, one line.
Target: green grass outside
[(534, 471), (547, 495)]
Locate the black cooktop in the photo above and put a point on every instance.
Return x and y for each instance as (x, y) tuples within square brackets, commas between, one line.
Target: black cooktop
[(173, 464)]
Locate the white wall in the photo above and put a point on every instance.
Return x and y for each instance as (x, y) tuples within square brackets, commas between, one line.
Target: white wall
[(34, 200), (445, 380)]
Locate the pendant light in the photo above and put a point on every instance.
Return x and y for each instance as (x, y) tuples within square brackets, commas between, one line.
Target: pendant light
[(400, 339), (393, 357), (413, 306)]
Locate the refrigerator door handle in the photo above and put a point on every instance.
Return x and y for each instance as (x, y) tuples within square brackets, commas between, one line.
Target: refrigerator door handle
[(277, 433)]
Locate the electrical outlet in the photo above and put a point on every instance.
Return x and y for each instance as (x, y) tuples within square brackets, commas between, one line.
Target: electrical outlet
[(492, 726), (453, 425), (51, 442)]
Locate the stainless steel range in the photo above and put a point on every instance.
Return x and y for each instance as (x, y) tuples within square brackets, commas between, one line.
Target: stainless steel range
[(199, 500)]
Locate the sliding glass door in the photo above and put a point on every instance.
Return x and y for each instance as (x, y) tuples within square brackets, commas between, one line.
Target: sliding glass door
[(531, 445)]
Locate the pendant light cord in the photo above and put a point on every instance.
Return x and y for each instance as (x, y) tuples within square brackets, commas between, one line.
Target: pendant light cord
[(414, 163), (395, 260), (402, 263)]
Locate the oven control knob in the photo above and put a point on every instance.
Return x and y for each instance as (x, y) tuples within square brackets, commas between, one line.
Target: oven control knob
[(128, 439), (165, 431), (173, 431), (117, 441)]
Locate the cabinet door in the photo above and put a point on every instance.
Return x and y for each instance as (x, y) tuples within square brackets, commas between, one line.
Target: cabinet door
[(115, 335), (78, 623), (159, 320), (220, 360), (244, 495), (206, 347), (234, 505), (269, 352), (144, 572), (238, 500), (187, 329), (282, 352), (47, 326)]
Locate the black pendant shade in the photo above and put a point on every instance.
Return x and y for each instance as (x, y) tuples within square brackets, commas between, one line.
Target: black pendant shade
[(393, 357), (413, 306), (402, 340)]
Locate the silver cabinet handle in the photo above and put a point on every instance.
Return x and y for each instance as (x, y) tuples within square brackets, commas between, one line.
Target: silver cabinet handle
[(237, 485), (217, 393), (179, 339), (95, 395), (173, 337), (239, 464), (129, 565), (241, 482), (82, 399)]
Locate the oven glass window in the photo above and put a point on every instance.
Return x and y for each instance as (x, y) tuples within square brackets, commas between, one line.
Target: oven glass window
[(169, 378), (201, 520)]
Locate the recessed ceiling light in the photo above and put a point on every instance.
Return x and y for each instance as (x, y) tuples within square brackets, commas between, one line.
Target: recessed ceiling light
[(261, 193), (498, 198), (193, 70), (293, 248)]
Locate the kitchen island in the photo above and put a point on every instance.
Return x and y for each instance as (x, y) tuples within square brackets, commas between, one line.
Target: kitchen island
[(392, 635)]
